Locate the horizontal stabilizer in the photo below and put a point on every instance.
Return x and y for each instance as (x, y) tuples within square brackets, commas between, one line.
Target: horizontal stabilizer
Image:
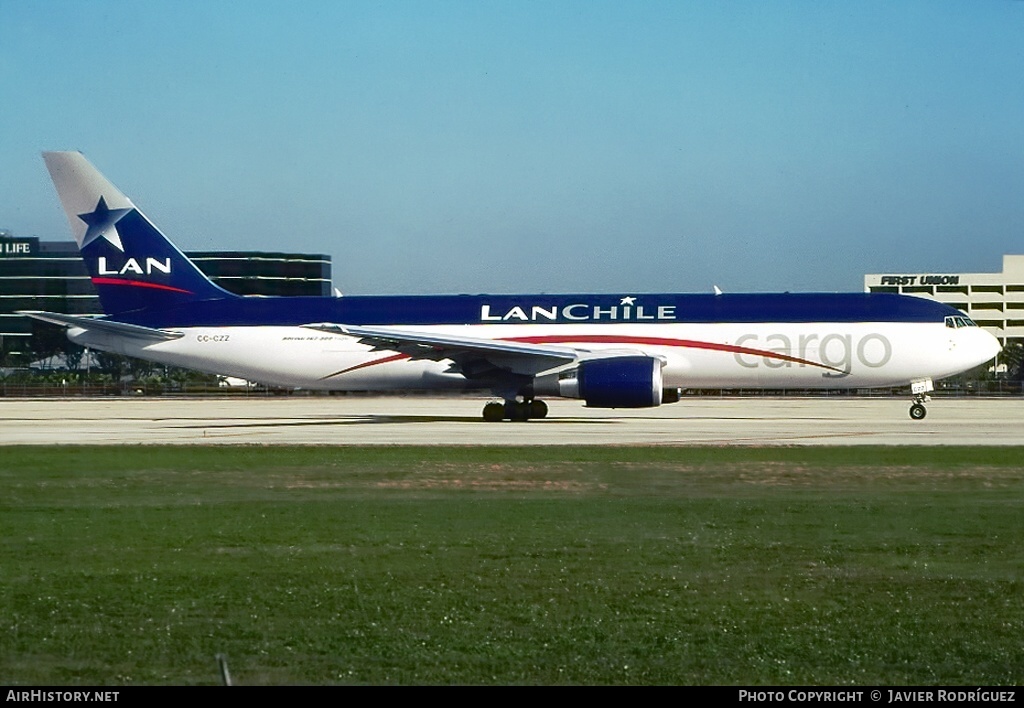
[(106, 326)]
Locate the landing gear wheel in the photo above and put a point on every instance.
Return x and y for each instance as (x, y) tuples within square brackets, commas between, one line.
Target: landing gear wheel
[(918, 411), (516, 411)]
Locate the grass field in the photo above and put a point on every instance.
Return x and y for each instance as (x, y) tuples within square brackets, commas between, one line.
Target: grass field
[(137, 565)]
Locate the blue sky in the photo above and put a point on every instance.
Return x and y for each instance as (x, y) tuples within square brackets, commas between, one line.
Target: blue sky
[(435, 147)]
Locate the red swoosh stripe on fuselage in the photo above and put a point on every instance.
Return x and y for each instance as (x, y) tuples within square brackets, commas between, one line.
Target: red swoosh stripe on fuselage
[(138, 284), (385, 360), (611, 339), (666, 342)]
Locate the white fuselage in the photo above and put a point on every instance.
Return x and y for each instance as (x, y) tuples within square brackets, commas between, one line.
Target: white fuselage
[(696, 355)]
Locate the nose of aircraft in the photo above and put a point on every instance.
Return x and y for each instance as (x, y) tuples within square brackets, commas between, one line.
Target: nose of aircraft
[(982, 346), (994, 346)]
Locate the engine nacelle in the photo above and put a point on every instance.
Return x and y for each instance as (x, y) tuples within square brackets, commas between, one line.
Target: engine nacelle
[(614, 382)]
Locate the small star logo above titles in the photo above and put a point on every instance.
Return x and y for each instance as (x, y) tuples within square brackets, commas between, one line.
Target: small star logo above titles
[(628, 301), (103, 224)]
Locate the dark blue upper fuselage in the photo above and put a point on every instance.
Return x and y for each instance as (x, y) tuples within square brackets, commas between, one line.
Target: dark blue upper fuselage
[(543, 309)]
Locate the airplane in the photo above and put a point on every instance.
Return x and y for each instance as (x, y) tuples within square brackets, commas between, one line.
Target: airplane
[(626, 350)]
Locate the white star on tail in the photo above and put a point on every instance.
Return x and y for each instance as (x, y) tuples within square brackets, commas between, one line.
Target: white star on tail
[(103, 224)]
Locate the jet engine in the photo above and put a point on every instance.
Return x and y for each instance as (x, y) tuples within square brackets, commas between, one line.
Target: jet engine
[(612, 382)]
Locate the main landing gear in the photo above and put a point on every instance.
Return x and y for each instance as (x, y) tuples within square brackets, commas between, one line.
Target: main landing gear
[(515, 410)]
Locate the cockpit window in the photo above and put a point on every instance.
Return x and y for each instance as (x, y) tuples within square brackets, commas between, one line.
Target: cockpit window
[(956, 322)]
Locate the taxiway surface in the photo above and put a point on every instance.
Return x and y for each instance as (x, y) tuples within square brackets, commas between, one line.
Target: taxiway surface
[(392, 420)]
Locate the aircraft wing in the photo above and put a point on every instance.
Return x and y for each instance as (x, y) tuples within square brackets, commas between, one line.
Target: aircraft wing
[(106, 326), (473, 356)]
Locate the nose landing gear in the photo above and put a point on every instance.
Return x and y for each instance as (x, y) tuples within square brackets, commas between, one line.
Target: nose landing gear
[(920, 389)]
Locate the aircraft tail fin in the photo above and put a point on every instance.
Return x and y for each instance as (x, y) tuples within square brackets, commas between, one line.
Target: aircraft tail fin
[(132, 264)]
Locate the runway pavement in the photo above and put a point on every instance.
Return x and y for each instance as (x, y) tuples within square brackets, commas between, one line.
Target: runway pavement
[(392, 420)]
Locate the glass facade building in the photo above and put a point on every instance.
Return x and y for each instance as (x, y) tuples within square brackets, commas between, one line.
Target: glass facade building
[(50, 275)]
